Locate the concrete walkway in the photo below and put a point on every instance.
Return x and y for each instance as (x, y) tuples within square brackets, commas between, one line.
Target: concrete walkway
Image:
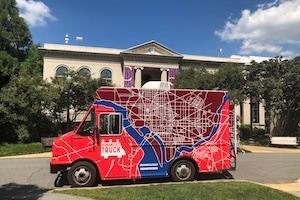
[(293, 188), (37, 155), (261, 149)]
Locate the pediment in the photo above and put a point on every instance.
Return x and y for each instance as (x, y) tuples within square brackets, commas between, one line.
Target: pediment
[(152, 48)]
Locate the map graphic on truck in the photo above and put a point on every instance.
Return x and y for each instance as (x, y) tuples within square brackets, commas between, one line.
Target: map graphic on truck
[(130, 133), (110, 148)]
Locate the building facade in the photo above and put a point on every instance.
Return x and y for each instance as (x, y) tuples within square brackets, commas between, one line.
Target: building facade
[(132, 67)]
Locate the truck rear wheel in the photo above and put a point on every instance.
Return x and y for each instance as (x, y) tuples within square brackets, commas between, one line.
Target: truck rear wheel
[(82, 174), (183, 170)]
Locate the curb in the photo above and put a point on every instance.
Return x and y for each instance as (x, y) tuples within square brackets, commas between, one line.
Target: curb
[(37, 155), (146, 184), (262, 149), (273, 186)]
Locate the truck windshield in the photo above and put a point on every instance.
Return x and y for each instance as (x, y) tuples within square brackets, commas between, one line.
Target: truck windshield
[(87, 127)]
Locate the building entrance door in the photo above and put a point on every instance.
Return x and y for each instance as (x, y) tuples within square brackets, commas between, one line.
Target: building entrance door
[(151, 74)]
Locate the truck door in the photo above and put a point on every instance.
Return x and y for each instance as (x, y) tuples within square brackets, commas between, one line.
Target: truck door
[(111, 141), (84, 140)]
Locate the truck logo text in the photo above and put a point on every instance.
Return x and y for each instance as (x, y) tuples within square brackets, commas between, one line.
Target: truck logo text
[(111, 148)]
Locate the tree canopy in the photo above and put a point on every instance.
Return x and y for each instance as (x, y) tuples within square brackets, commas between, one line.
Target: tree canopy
[(193, 78), (15, 37), (228, 77)]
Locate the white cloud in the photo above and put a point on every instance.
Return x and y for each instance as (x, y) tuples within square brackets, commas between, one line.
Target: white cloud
[(269, 28), (35, 13)]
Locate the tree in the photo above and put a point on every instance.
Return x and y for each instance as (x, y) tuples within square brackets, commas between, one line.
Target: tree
[(73, 94), (290, 109), (8, 67), (231, 77), (276, 83), (33, 64), (15, 40), (15, 37), (195, 79), (264, 84), (22, 104), (23, 97)]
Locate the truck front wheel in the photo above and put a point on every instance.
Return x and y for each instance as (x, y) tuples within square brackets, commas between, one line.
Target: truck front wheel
[(82, 174), (183, 170)]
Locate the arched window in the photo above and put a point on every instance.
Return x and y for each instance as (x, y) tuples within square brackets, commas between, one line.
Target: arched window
[(105, 76), (61, 71), (84, 72)]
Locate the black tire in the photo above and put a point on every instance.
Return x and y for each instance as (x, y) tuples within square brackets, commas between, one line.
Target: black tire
[(82, 174), (183, 170)]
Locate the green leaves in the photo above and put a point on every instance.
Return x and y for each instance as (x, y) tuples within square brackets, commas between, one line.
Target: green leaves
[(74, 93), (8, 67), (277, 83), (195, 79), (15, 37), (229, 77)]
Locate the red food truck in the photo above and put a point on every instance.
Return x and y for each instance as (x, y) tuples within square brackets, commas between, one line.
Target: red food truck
[(146, 133)]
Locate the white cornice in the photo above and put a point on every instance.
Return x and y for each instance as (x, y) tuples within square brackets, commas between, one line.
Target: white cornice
[(187, 57), (118, 52), (85, 49)]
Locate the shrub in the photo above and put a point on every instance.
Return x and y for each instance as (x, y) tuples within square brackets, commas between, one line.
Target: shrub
[(258, 134)]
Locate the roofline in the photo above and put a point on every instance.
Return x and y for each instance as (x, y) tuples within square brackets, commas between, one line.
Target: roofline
[(187, 57), (78, 48), (153, 41), (52, 47)]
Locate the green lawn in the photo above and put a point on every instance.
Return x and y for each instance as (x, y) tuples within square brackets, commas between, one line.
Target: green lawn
[(20, 149), (185, 191)]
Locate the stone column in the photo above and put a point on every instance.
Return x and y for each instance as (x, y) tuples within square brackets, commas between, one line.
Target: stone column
[(164, 74), (138, 77)]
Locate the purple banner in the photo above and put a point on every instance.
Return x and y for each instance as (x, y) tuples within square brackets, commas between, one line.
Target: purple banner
[(172, 74), (128, 76)]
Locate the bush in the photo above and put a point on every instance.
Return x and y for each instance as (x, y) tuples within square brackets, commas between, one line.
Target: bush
[(258, 134)]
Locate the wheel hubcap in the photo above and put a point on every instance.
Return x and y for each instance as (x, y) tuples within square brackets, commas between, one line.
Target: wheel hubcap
[(82, 175), (183, 172)]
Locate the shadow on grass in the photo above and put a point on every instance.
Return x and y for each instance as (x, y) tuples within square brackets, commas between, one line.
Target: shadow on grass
[(61, 179), (14, 191), (199, 177)]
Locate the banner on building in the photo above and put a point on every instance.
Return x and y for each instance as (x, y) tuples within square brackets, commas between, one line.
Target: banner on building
[(172, 74), (128, 76)]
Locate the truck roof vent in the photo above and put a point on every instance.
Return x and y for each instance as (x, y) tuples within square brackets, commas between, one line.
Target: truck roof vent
[(158, 85)]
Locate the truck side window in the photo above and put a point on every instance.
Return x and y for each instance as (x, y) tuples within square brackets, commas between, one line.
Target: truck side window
[(103, 126), (110, 124), (115, 122), (88, 125)]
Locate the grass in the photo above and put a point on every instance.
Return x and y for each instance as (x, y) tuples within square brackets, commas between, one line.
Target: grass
[(185, 191), (20, 149)]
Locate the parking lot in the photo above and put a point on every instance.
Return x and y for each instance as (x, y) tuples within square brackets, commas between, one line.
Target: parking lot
[(30, 177)]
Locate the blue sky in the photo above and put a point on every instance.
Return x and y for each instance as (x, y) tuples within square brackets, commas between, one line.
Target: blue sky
[(191, 27)]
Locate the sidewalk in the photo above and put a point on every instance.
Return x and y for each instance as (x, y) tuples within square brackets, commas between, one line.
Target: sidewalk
[(250, 148), (261, 149), (37, 155), (293, 188)]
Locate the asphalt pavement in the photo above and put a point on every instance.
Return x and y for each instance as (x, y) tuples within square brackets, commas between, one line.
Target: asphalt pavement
[(29, 178)]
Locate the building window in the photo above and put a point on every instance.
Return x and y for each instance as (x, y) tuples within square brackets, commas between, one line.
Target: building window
[(255, 110), (110, 124), (84, 71), (61, 71), (105, 77)]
